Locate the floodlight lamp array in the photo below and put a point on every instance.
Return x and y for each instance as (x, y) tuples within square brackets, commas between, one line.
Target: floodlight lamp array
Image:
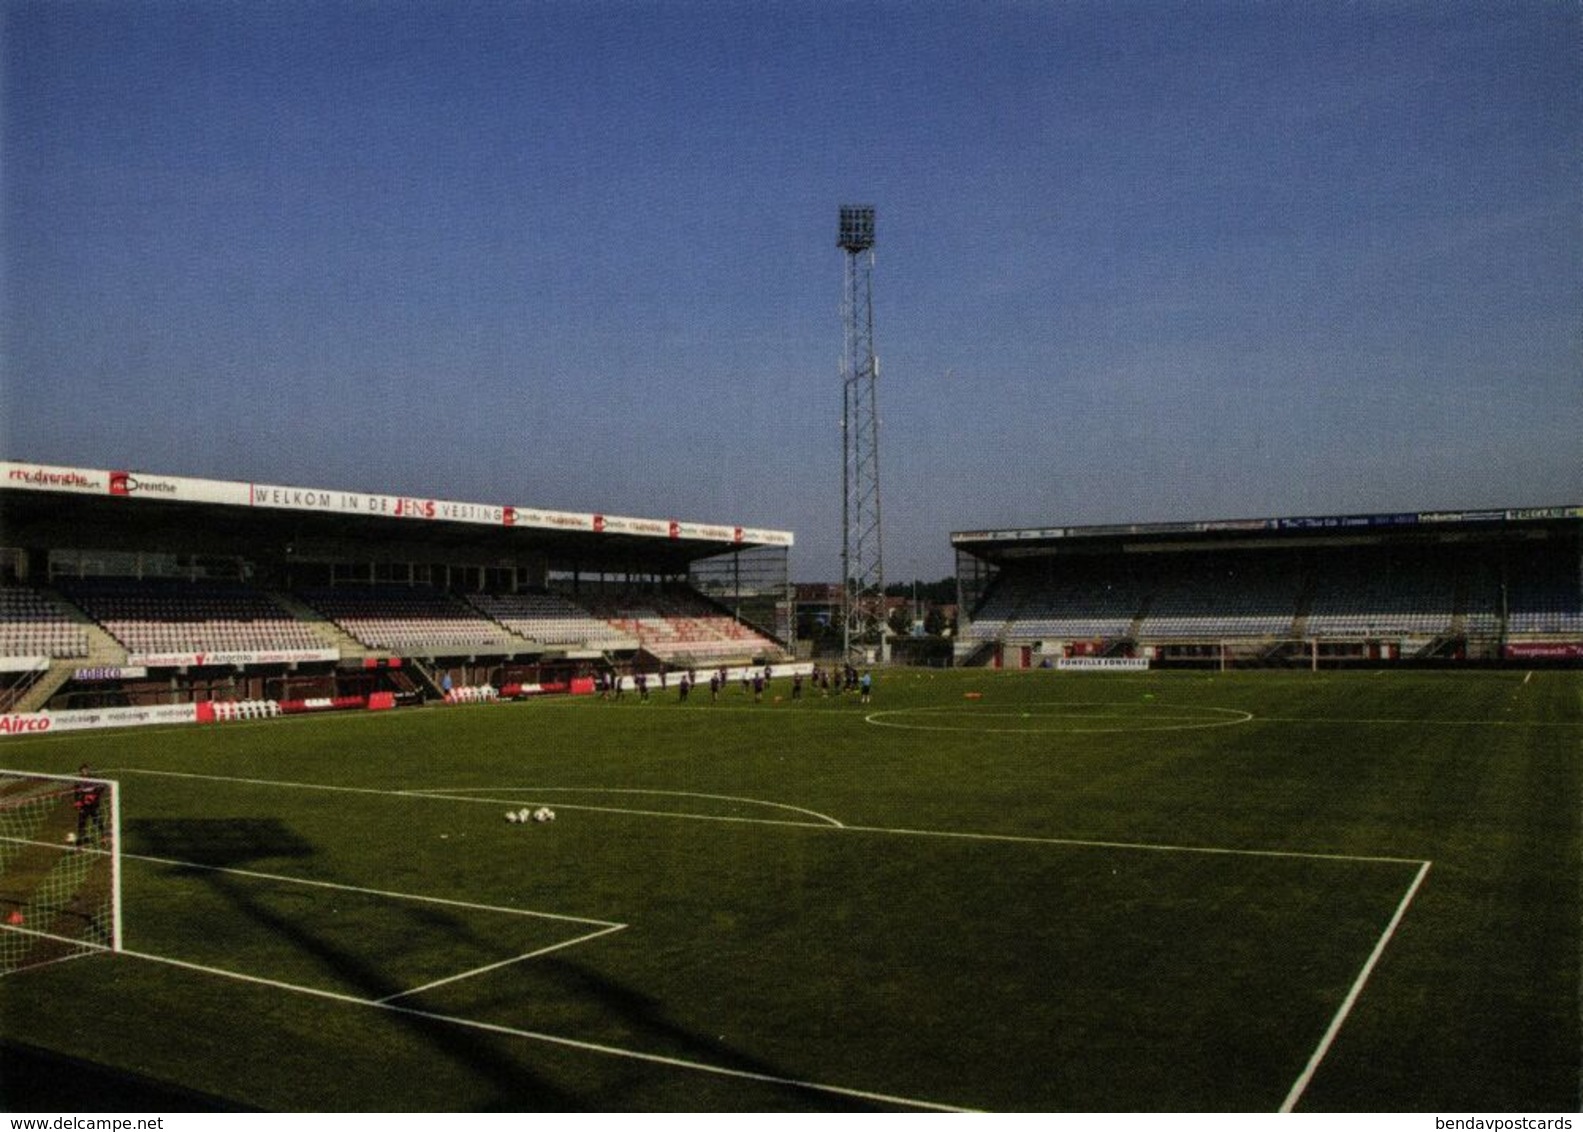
[(857, 228)]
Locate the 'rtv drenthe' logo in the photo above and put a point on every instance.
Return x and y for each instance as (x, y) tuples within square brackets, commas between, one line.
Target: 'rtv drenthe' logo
[(125, 483)]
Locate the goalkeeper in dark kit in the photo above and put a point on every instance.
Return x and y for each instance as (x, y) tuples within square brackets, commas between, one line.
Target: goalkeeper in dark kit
[(89, 800)]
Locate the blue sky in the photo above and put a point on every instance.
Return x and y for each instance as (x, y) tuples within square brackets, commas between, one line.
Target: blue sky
[(1135, 261)]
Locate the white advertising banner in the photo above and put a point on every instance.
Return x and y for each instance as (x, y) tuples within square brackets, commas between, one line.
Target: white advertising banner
[(768, 538), (184, 489), (46, 477), (553, 520), (100, 481), (1103, 664), (376, 506), (49, 722), (705, 531), (231, 659), (111, 672), (176, 489)]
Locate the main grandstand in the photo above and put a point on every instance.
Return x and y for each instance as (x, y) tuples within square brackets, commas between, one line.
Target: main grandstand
[(1432, 586), (126, 589)]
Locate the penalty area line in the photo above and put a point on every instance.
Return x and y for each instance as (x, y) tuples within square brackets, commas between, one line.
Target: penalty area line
[(565, 943), (1300, 1086), (558, 1040), (383, 894)]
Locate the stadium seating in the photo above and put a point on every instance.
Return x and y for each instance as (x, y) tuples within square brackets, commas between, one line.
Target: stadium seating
[(1087, 605), (1212, 599), (153, 616), (1543, 600), (1425, 592), (1481, 602), (681, 626), (411, 620), (33, 626), (1371, 594), (550, 619), (166, 616), (1221, 598)]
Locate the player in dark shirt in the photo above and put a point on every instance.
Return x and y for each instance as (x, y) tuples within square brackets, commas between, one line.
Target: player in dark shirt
[(88, 797)]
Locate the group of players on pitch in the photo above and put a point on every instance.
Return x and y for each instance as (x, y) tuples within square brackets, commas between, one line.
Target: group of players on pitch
[(843, 680)]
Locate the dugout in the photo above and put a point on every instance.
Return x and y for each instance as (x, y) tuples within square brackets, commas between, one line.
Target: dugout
[(1428, 587)]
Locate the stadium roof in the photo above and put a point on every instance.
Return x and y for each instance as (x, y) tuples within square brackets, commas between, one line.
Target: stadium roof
[(1262, 530), (36, 498)]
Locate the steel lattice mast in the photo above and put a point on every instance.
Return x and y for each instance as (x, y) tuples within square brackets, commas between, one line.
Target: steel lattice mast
[(862, 549)]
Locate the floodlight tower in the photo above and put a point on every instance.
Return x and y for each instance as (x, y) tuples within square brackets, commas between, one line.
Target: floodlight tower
[(862, 550)]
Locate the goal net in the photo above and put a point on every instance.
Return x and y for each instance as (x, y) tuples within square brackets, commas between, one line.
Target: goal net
[(60, 874)]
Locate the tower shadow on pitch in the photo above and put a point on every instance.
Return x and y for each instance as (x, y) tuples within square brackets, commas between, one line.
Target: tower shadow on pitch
[(218, 843), (204, 849)]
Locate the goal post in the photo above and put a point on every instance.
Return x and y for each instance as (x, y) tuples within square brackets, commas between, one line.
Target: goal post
[(60, 868), (1268, 652)]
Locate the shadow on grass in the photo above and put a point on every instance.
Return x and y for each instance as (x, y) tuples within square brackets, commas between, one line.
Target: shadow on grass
[(659, 1033), (216, 843), (40, 1080)]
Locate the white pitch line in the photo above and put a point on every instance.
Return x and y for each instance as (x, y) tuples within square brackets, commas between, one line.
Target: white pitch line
[(1325, 721), (557, 1040), (1292, 1098), (469, 794), (91, 950), (1307, 1075), (1063, 724), (502, 963), (585, 808), (75, 848), (609, 925), (281, 783), (1137, 846), (447, 795), (1009, 838)]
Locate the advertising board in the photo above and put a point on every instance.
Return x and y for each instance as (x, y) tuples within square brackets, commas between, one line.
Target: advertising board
[(145, 486)]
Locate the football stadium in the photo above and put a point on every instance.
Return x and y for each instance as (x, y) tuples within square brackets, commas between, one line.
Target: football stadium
[(439, 672), (330, 800)]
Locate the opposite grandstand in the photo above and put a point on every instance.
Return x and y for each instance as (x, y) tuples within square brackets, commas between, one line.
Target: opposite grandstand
[(1473, 586)]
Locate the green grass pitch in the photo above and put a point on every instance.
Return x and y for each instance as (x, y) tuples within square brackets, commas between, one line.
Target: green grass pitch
[(1023, 891)]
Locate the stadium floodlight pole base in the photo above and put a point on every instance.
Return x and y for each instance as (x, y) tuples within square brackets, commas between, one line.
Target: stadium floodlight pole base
[(60, 868)]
